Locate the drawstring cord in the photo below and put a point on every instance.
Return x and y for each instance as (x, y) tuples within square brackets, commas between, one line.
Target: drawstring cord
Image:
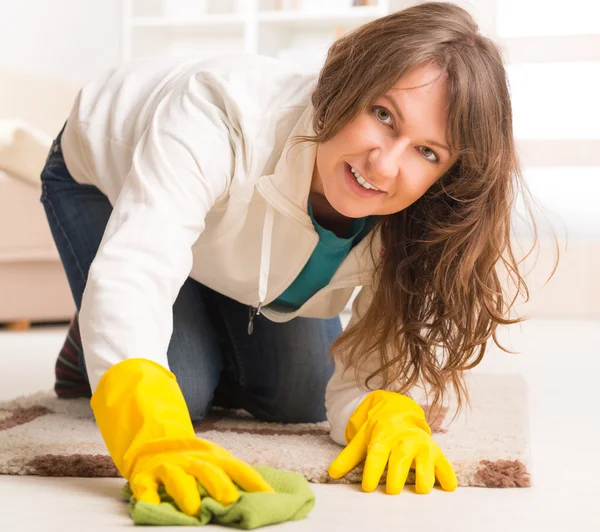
[(265, 264)]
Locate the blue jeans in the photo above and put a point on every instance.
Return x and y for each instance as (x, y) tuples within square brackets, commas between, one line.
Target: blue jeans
[(278, 373)]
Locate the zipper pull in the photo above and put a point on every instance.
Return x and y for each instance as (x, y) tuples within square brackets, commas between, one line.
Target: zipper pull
[(253, 312)]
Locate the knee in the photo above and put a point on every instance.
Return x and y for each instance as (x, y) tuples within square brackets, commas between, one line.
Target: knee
[(303, 402), (198, 396), (198, 404), (292, 412), (313, 413)]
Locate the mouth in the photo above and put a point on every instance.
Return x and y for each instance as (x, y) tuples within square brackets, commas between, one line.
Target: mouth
[(357, 184)]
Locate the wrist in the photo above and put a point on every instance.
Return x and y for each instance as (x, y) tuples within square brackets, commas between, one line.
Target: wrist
[(138, 402)]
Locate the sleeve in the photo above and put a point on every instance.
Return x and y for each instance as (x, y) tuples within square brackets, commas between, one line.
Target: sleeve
[(181, 166), (343, 395)]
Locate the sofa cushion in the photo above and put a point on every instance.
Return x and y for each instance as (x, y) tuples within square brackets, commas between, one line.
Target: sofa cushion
[(25, 234), (44, 102), (23, 150)]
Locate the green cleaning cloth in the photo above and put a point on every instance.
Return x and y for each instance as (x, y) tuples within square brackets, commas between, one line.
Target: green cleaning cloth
[(292, 500)]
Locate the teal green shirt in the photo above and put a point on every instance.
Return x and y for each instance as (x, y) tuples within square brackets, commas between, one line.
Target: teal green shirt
[(323, 263)]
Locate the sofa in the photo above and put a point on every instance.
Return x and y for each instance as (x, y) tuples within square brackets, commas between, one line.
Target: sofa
[(33, 285)]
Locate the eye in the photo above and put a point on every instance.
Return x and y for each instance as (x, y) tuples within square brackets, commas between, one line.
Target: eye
[(382, 114), (427, 153)]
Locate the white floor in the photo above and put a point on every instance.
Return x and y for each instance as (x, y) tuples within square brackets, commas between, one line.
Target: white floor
[(560, 360)]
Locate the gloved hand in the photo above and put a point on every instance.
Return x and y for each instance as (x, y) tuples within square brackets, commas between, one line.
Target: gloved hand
[(145, 423), (389, 426)]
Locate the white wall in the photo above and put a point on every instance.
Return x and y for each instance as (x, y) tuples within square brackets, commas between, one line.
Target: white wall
[(69, 39)]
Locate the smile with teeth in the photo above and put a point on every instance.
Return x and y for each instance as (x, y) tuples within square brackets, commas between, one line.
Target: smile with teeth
[(362, 181)]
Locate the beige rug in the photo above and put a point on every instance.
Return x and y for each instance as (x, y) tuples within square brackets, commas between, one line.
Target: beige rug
[(488, 445)]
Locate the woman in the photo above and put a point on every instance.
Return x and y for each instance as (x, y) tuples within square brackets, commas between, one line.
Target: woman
[(214, 218)]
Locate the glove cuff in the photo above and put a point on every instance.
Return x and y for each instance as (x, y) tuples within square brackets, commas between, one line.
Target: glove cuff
[(384, 399), (137, 401)]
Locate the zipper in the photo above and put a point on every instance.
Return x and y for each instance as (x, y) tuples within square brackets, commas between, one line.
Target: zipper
[(252, 312)]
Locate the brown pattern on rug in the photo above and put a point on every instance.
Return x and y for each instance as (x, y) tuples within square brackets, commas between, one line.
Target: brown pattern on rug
[(20, 416), (266, 431), (73, 465), (264, 428), (504, 474)]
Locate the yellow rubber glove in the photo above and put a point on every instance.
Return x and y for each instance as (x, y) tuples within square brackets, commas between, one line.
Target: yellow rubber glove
[(390, 429), (145, 423)]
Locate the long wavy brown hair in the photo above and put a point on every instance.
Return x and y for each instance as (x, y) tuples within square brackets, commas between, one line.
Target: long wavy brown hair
[(438, 295)]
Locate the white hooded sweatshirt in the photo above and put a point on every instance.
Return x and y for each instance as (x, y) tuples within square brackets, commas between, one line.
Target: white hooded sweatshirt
[(193, 156)]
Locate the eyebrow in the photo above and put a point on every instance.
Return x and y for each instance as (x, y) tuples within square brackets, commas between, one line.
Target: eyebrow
[(399, 113)]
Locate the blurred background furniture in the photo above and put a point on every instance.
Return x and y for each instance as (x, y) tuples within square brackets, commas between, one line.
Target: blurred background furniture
[(299, 31), (33, 286)]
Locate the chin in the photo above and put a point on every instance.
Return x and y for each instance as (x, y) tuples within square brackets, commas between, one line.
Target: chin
[(349, 209)]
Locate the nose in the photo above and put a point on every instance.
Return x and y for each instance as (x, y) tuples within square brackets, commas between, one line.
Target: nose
[(385, 159)]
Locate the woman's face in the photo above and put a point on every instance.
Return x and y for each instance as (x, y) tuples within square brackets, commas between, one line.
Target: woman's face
[(393, 146)]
